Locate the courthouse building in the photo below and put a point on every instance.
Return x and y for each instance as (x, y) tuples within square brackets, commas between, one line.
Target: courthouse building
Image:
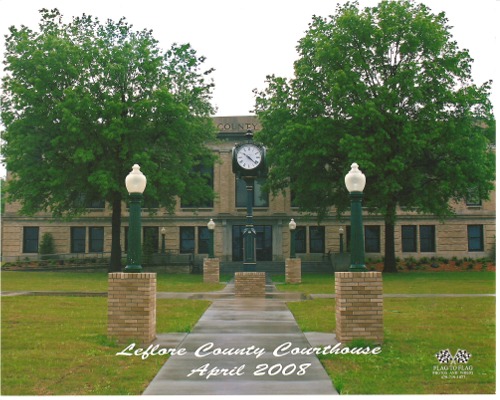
[(470, 233)]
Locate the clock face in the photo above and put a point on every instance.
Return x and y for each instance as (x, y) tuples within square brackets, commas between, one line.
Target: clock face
[(249, 156)]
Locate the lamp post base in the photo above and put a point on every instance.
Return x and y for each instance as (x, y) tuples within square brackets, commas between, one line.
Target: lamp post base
[(358, 268), (133, 268), (249, 267)]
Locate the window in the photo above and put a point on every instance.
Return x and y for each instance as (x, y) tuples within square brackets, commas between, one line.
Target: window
[(317, 239), (96, 240), (372, 239), (203, 240), (260, 198), (427, 238), (126, 239), (473, 199), (409, 238), (78, 236), (30, 239), (475, 237), (207, 173), (187, 239), (150, 239), (348, 238), (96, 204), (300, 239)]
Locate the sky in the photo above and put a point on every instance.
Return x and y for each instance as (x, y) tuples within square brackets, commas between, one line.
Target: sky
[(247, 40)]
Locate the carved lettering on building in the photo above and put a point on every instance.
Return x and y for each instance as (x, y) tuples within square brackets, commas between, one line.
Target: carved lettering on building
[(237, 127)]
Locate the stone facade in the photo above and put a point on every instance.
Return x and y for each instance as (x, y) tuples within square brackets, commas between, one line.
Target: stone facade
[(451, 237), (132, 307), (250, 284), (211, 267), (359, 306), (293, 270)]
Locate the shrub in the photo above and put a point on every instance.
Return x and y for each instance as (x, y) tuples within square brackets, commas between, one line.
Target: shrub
[(47, 246)]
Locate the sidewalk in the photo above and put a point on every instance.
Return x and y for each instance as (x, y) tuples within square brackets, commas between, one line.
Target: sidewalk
[(254, 328)]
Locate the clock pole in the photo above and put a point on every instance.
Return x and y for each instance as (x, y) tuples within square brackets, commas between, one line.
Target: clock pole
[(249, 234), (249, 162)]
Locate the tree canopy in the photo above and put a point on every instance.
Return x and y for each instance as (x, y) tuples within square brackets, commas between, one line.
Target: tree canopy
[(83, 101), (386, 87)]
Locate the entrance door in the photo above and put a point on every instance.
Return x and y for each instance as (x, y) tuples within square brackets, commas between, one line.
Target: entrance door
[(263, 242)]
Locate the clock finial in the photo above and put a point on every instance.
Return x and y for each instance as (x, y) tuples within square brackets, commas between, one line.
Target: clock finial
[(249, 136)]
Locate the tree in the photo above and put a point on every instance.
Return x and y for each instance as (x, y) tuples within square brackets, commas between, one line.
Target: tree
[(388, 88), (47, 246), (83, 101)]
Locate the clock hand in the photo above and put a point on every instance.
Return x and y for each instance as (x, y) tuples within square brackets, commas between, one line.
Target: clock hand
[(250, 158)]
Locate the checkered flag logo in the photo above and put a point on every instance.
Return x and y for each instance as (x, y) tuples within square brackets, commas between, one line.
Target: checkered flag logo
[(462, 356), (444, 356)]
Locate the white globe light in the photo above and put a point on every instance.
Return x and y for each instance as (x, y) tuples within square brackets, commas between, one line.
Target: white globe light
[(211, 224), (135, 180), (355, 180), (292, 225)]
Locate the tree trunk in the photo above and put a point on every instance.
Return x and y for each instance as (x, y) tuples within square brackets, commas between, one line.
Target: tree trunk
[(390, 250), (116, 223)]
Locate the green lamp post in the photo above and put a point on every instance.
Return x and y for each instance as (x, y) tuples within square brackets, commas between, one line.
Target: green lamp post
[(211, 227), (355, 182), (163, 233), (135, 183), (341, 239), (292, 225)]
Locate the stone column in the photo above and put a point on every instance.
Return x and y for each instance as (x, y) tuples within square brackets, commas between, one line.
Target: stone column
[(293, 270), (359, 306), (132, 307), (211, 270), (250, 284)]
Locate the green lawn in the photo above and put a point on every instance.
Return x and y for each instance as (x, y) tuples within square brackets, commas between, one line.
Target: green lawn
[(58, 346), (411, 283), (96, 282), (415, 329)]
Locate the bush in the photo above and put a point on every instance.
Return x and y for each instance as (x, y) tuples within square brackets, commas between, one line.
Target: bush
[(47, 246)]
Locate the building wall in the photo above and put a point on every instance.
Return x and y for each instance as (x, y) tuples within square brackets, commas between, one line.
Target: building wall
[(450, 236)]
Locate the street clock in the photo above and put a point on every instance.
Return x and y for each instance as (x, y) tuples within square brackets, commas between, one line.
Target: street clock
[(249, 159)]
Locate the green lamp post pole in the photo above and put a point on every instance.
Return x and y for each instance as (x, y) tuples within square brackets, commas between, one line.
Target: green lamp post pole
[(163, 233), (341, 234), (135, 183), (211, 227), (355, 182), (249, 234), (292, 225)]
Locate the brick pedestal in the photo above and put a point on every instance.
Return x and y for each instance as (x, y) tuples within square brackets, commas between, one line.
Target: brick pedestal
[(250, 284), (132, 307), (293, 270), (211, 270), (359, 306)]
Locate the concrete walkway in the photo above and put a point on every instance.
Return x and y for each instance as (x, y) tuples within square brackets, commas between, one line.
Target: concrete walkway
[(253, 328)]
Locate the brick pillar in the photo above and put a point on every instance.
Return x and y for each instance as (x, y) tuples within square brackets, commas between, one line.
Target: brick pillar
[(359, 306), (211, 270), (293, 270), (250, 284), (132, 307)]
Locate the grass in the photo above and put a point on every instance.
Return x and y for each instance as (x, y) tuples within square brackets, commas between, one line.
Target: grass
[(59, 346), (96, 282), (415, 329), (411, 283)]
